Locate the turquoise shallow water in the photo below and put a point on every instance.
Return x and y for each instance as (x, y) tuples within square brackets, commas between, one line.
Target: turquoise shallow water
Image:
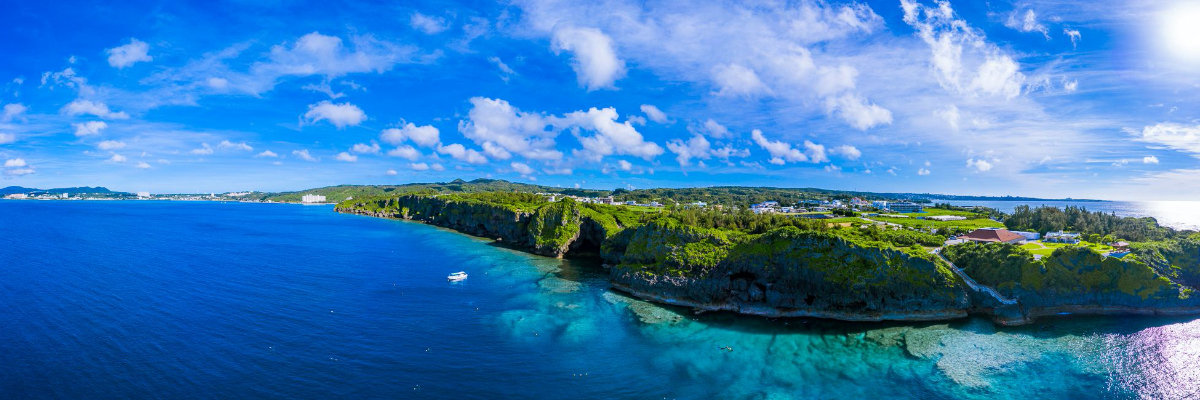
[(212, 300)]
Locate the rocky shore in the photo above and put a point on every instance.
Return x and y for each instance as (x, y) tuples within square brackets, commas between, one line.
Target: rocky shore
[(786, 272)]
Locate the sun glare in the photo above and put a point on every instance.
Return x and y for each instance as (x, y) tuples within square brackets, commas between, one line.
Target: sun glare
[(1181, 30)]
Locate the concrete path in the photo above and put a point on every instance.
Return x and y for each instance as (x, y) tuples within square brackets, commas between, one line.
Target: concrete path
[(975, 285)]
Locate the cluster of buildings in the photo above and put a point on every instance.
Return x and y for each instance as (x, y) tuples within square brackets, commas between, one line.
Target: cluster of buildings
[(312, 198), (606, 200), (1062, 237), (38, 196)]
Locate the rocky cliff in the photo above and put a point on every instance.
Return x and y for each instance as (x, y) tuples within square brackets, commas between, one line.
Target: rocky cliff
[(786, 272), (846, 274), (551, 229), (1074, 280)]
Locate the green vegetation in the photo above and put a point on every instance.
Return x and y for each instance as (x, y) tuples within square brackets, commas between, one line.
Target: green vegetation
[(975, 220), (730, 255), (342, 192), (1078, 219), (1047, 248), (1069, 273), (949, 227), (1178, 258)]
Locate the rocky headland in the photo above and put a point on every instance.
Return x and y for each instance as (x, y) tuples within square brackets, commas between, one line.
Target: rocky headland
[(793, 272)]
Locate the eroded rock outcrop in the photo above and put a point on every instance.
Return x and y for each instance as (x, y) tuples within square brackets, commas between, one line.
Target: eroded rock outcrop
[(786, 272), (551, 230)]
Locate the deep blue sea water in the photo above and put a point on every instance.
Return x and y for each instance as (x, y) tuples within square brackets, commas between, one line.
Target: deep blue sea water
[(227, 300)]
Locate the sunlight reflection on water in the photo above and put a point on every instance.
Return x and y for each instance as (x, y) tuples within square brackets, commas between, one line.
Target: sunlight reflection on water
[(1160, 362)]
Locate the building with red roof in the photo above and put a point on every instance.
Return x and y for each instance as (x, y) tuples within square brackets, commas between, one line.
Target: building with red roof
[(992, 236)]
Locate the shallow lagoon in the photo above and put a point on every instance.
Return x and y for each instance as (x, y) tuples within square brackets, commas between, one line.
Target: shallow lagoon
[(206, 300)]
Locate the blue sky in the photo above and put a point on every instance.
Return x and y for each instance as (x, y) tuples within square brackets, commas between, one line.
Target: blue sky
[(1055, 98)]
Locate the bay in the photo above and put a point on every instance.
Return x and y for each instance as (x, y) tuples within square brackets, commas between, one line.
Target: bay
[(218, 300)]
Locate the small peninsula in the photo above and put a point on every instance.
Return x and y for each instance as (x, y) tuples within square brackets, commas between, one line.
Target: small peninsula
[(827, 255)]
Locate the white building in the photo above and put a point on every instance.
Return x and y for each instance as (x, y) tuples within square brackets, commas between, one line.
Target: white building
[(143, 195), (905, 207), (1029, 235), (313, 198)]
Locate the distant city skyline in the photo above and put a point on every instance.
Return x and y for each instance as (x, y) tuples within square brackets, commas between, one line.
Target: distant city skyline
[(1048, 99)]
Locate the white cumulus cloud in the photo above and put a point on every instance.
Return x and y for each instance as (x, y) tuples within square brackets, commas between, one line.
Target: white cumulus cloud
[(502, 130), (15, 163), (425, 136), (594, 57), (117, 158), (610, 136), (654, 113), (304, 155), (522, 168), (89, 128), (406, 152), (362, 148), (695, 148), (134, 52), (461, 153), (850, 152), (267, 154), (979, 165), (347, 157), (340, 115), (1150, 160)]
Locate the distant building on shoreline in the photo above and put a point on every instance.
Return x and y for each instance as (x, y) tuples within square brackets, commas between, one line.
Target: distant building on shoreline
[(313, 198)]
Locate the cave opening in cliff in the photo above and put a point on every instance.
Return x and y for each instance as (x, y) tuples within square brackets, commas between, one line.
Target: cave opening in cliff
[(583, 247)]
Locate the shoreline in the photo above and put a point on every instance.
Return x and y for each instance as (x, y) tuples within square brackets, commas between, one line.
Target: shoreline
[(1015, 315)]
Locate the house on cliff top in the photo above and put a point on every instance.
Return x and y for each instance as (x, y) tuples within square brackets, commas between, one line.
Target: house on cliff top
[(993, 236)]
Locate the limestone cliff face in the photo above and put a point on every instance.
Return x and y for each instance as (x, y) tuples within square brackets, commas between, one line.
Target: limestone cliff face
[(794, 272), (786, 272), (550, 230), (1074, 279)]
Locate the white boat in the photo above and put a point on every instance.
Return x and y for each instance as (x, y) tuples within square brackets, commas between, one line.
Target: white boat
[(457, 276)]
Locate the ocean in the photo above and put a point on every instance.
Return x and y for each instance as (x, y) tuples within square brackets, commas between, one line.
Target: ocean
[(1174, 214), (197, 300)]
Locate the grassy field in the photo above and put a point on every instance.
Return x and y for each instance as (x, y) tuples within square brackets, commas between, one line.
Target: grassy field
[(1044, 249), (930, 212), (847, 221), (913, 222), (922, 224)]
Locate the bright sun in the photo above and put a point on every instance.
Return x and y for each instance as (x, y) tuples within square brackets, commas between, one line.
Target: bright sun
[(1181, 30)]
